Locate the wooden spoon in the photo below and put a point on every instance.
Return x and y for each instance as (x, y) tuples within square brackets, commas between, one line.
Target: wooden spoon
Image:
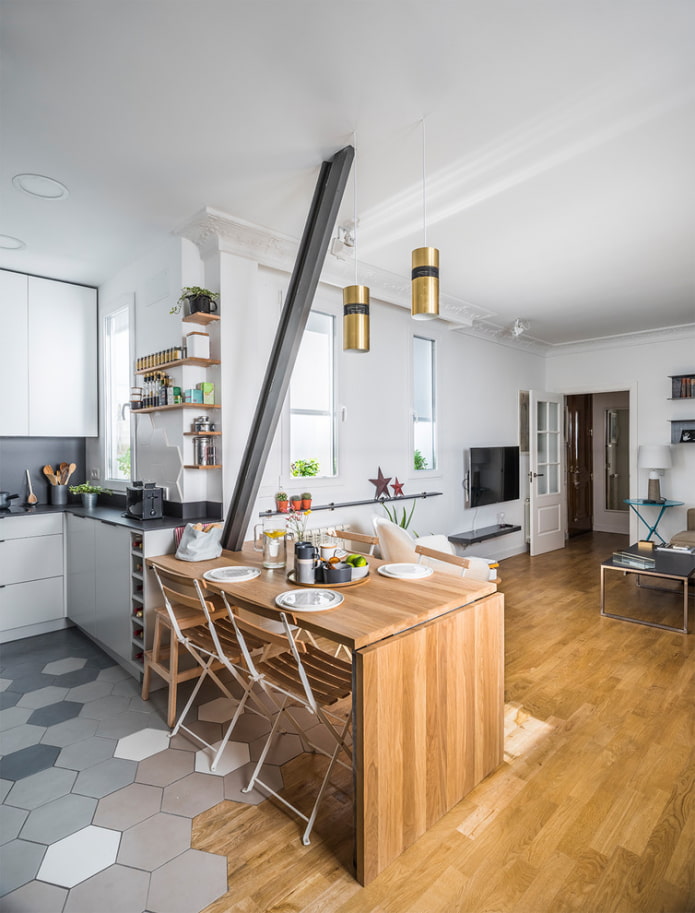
[(71, 468), (32, 499), (62, 473), (50, 475)]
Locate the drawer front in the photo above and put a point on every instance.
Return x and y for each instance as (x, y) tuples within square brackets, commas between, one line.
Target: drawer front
[(36, 525), (31, 559), (30, 603)]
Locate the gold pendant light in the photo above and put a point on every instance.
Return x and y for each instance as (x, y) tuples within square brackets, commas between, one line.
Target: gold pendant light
[(425, 263), (355, 297)]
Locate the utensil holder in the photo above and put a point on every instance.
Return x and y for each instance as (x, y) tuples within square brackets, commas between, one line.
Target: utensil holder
[(59, 494)]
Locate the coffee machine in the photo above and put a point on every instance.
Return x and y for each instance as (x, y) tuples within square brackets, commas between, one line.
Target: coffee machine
[(144, 501)]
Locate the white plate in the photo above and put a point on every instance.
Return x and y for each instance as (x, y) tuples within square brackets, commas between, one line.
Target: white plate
[(232, 574), (405, 571), (308, 600)]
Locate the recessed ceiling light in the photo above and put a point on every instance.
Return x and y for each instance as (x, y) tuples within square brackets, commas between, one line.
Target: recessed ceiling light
[(38, 185), (7, 242)]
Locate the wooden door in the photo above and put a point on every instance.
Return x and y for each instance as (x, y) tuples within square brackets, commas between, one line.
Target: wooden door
[(580, 488), (546, 488)]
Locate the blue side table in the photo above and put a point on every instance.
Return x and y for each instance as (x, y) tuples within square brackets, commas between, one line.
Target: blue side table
[(636, 503)]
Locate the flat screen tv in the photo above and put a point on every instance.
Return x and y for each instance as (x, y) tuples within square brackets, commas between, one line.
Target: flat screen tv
[(491, 475)]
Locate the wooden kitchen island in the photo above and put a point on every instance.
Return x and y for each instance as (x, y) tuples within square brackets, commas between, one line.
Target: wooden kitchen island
[(428, 692)]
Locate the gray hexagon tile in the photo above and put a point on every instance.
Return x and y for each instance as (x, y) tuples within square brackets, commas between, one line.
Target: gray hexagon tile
[(4, 682), (43, 697), (13, 716), (192, 795), (55, 713), (128, 806), (123, 724), (86, 753), (113, 673), (20, 863), (105, 777), (155, 841), (58, 819), (61, 666), (9, 699), (21, 737), (69, 731), (40, 788), (165, 768), (36, 896), (90, 691), (79, 856), (235, 754), (28, 761), (238, 780), (11, 821), (104, 707), (116, 889), (220, 710), (188, 883)]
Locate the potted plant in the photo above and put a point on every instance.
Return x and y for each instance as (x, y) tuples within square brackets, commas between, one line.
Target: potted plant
[(282, 503), (200, 300), (296, 501), (88, 493), (305, 468), (306, 500)]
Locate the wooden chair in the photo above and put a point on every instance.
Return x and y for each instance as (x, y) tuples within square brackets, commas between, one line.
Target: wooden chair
[(201, 628), (298, 676), (348, 536)]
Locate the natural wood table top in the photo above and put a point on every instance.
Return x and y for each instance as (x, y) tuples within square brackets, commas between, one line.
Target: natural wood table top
[(377, 608)]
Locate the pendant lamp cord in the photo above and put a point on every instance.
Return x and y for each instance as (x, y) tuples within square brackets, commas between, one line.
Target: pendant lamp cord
[(354, 202), (424, 184)]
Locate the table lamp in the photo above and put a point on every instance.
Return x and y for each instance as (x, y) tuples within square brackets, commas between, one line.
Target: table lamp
[(656, 458)]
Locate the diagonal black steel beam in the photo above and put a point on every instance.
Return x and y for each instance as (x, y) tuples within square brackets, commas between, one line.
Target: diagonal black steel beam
[(316, 237)]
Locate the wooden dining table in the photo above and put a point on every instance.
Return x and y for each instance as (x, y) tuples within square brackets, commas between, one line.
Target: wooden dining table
[(428, 690)]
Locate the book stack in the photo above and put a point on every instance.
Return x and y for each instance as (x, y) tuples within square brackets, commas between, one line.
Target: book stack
[(629, 559)]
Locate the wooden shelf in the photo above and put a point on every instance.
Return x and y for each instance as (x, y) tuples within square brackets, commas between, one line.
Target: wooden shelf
[(198, 362), (198, 406), (195, 466), (201, 318), (480, 535)]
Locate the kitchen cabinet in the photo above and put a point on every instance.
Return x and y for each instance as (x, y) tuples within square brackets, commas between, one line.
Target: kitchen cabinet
[(98, 586), (32, 592), (49, 367)]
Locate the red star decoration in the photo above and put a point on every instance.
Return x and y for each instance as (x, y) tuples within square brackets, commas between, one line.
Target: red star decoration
[(382, 484), (397, 488)]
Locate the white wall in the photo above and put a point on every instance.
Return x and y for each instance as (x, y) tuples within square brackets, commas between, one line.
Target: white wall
[(643, 368)]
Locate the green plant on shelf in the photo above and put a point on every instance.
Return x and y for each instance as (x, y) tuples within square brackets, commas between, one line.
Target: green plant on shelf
[(84, 488), (304, 468), (191, 292)]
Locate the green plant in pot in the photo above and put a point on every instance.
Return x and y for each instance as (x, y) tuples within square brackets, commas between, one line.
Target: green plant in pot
[(306, 500), (200, 300), (88, 493), (282, 502)]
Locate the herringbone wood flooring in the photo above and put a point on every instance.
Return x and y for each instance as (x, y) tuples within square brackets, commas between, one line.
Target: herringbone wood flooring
[(592, 811)]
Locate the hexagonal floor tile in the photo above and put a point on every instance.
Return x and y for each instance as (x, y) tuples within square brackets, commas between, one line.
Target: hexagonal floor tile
[(86, 753), (79, 856), (235, 754), (40, 788), (28, 761), (128, 806), (55, 713), (11, 821), (188, 883), (165, 768), (69, 731), (42, 698), (105, 777), (113, 673), (142, 744), (155, 841), (13, 716), (105, 707), (112, 890), (217, 711), (21, 737), (61, 666), (20, 863), (90, 691), (58, 819), (238, 780), (123, 724), (34, 897), (192, 795)]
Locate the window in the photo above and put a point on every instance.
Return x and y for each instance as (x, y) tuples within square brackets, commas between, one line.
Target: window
[(312, 409), (117, 394), (424, 404)]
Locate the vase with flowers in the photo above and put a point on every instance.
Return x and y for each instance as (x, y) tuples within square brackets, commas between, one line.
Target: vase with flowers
[(296, 523)]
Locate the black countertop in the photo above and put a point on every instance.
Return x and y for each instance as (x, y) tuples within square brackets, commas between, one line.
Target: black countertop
[(106, 515)]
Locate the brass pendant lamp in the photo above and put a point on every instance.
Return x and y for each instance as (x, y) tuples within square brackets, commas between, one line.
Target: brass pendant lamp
[(425, 263), (355, 297)]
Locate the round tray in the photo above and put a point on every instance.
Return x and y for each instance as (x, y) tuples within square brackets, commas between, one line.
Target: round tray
[(327, 586)]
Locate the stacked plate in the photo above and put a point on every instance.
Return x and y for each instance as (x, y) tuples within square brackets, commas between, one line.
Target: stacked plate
[(405, 571), (232, 574), (308, 600)]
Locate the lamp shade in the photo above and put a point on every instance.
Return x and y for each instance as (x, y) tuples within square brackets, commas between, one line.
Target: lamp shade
[(654, 456)]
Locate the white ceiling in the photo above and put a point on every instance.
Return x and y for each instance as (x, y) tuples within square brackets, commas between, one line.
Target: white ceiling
[(560, 140)]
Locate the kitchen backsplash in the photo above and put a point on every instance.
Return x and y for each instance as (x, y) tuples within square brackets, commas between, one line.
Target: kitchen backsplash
[(17, 454)]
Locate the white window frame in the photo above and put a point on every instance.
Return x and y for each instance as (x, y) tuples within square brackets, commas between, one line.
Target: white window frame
[(123, 302), (434, 470)]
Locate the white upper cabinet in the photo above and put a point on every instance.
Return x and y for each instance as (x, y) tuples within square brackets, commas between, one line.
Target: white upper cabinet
[(14, 367), (51, 328)]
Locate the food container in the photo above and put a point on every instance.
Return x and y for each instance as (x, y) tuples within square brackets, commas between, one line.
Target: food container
[(197, 345), (202, 424), (334, 573)]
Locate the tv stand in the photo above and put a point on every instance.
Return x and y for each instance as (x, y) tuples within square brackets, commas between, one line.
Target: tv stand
[(480, 535)]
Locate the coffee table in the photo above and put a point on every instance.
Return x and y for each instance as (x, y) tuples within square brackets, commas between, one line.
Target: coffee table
[(669, 565)]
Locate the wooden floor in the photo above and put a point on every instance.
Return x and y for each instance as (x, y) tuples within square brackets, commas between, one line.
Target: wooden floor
[(592, 811)]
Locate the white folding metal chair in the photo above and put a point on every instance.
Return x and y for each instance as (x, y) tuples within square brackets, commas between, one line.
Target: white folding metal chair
[(213, 644), (300, 677)]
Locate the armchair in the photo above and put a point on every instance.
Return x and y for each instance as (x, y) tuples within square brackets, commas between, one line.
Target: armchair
[(397, 545), (686, 536)]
